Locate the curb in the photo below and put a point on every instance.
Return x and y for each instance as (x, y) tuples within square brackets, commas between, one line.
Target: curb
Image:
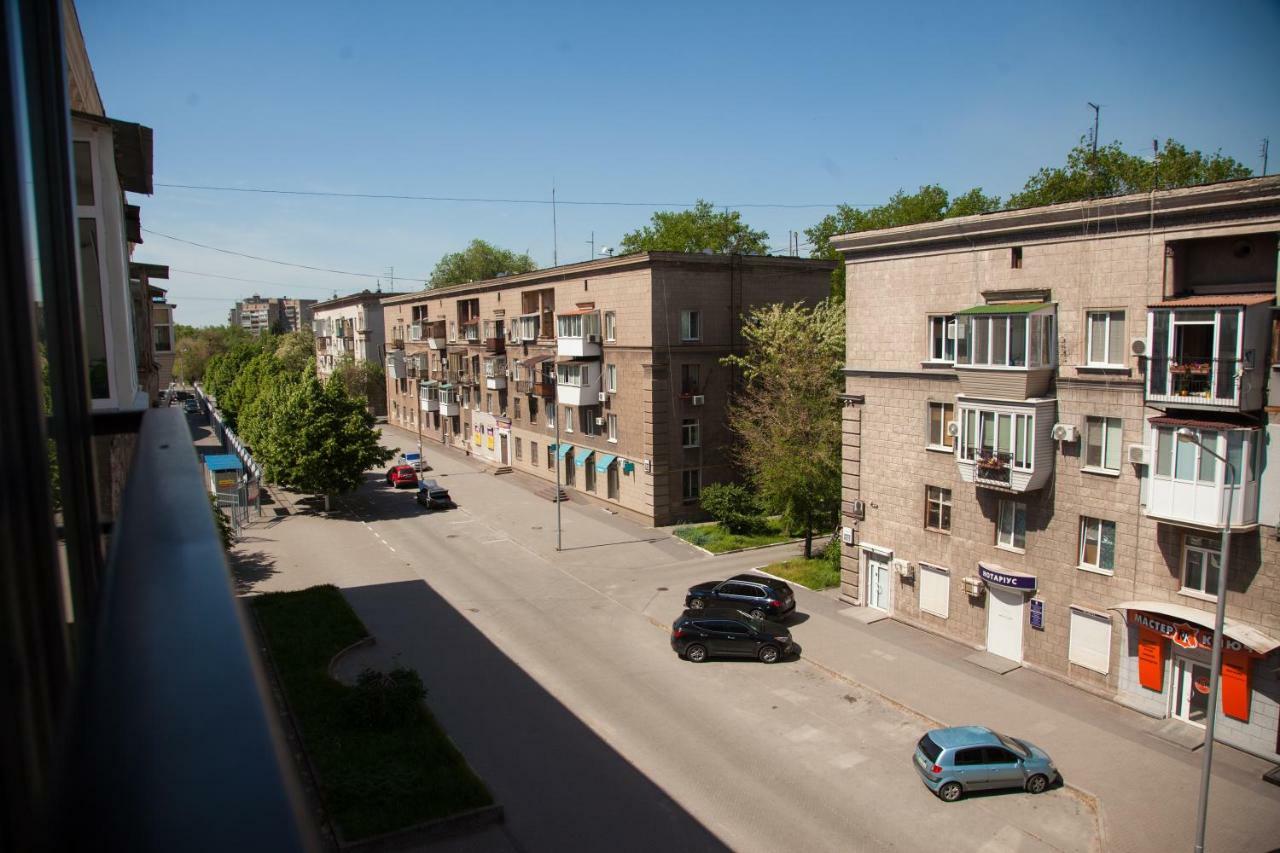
[(358, 644), (462, 823)]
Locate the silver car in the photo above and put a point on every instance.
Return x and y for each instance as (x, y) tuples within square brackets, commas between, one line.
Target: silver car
[(974, 758)]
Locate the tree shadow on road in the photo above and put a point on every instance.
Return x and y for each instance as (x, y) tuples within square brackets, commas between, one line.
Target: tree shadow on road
[(250, 569)]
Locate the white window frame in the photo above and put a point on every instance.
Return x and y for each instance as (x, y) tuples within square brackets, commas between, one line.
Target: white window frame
[(1209, 573), (935, 587), (610, 325), (1039, 341), (568, 419), (1009, 541), (611, 378), (1198, 459), (690, 325), (942, 329), (1097, 526), (1089, 641), (942, 500), (98, 213), (688, 427), (947, 415), (612, 421), (696, 479), (1106, 358), (1107, 425), (974, 424), (577, 375)]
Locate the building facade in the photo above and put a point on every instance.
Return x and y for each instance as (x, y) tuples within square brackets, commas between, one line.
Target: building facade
[(351, 327), (162, 333), (270, 314), (622, 355), (1033, 403)]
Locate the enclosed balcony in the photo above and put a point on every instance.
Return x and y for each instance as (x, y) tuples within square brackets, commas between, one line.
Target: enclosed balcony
[(1007, 351), (1005, 446), (427, 396), (433, 334), (1203, 351), (578, 382), (471, 333), (578, 334), (495, 373), (1186, 485), (524, 329), (493, 333), (447, 395)]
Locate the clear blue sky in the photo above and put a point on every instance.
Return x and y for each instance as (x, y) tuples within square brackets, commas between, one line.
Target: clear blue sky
[(653, 102)]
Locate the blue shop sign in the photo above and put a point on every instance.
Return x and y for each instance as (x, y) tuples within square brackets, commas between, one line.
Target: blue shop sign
[(1037, 614), (1011, 580)]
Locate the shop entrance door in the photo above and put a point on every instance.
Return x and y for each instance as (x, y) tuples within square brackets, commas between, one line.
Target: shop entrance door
[(1190, 690), (878, 581), (1004, 622)]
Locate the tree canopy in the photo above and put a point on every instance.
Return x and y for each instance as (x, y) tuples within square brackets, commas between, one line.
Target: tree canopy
[(366, 380), (786, 414), (194, 347), (479, 261), (699, 229)]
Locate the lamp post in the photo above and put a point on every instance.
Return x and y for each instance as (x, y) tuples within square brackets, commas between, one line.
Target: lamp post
[(555, 413), (1188, 435)]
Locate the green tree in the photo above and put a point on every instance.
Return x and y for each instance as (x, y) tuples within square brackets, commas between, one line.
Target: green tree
[(295, 350), (314, 437), (786, 413), (733, 505), (366, 380), (700, 229), (1112, 171), (930, 203), (477, 262)]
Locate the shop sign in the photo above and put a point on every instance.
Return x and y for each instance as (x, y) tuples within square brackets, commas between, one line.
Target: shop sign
[(1182, 634), (1037, 614), (1023, 582)]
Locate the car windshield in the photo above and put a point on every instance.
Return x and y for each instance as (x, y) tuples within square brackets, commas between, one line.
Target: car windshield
[(1014, 745)]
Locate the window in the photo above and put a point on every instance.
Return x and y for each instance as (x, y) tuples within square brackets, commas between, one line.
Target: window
[(610, 326), (589, 421), (690, 325), (533, 411), (935, 590), (940, 415), (1015, 258), (1201, 561), (1011, 527), (1090, 643), (611, 377), (942, 338), (937, 508), (577, 375), (533, 451), (163, 342), (690, 376), (613, 427), (690, 432), (519, 449), (551, 456), (691, 485), (568, 419), (1102, 443), (488, 402), (551, 417), (1183, 460), (1097, 544), (996, 340), (1105, 342)]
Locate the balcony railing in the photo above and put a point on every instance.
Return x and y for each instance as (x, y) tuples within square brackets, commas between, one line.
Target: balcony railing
[(1194, 381), (471, 333), (495, 345), (993, 468)]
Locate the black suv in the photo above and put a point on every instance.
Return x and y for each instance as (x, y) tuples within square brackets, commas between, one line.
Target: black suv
[(726, 632), (434, 496), (762, 597)]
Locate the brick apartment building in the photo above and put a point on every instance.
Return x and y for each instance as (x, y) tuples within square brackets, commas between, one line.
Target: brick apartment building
[(1013, 475), (624, 351), (259, 314), (350, 327)]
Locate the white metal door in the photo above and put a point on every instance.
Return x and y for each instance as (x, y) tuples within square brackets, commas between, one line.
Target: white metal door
[(878, 582), (1004, 622)]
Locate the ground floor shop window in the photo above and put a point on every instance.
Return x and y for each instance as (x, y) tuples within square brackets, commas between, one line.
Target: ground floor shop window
[(589, 475), (613, 482)]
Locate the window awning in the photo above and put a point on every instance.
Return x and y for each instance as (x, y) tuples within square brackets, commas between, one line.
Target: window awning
[(223, 462), (573, 312), (603, 461), (582, 454), (535, 360), (1006, 308), (1245, 635), (1224, 300), (563, 450), (445, 386), (1223, 421), (428, 383)]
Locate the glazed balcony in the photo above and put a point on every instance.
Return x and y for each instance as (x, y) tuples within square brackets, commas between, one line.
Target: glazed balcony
[(1006, 351), (428, 399), (433, 334), (447, 396), (578, 382), (495, 373), (1187, 486), (578, 334), (1005, 446), (1202, 355)]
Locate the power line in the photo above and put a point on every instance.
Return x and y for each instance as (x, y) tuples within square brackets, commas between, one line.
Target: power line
[(484, 200), (252, 280), (267, 260)]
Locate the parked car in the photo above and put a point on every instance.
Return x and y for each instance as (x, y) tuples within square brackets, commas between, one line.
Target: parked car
[(191, 407), (955, 761), (434, 497), (728, 632), (762, 597), (401, 475), (414, 460)]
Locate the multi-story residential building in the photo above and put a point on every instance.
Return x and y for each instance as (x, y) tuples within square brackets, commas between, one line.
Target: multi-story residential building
[(622, 354), (1033, 403), (259, 314), (350, 327), (162, 334), (296, 314)]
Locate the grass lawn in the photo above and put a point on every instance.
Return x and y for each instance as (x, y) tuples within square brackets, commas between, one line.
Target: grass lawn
[(820, 573), (717, 540), (375, 778)]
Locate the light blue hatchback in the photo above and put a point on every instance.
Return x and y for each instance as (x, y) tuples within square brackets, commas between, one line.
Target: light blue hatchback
[(974, 758)]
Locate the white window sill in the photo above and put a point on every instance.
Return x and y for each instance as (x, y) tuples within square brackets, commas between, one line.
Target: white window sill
[(1197, 594), (690, 446), (1102, 472), (937, 448), (1011, 548), (937, 530), (613, 441), (1097, 571)]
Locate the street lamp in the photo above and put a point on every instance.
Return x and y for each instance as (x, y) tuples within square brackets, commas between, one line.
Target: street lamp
[(555, 415), (1189, 436)]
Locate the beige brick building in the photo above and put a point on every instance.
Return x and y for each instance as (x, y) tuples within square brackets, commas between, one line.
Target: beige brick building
[(1014, 477), (625, 353)]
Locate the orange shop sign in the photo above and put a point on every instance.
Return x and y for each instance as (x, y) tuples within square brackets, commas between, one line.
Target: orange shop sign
[(1182, 634)]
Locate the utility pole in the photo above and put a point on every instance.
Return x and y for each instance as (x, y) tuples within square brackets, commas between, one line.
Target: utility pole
[(1096, 110), (555, 413), (592, 241), (555, 234), (391, 274), (1266, 145)]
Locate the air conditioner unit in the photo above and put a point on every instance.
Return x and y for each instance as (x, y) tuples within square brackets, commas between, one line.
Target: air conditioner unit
[(1138, 346), (957, 331), (953, 428), (603, 396), (1138, 454), (698, 399), (599, 421), (593, 339), (904, 569), (1064, 432), (846, 535), (973, 587), (860, 510)]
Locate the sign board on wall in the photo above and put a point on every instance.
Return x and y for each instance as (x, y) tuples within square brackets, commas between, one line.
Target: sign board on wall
[(1011, 580), (1037, 614)]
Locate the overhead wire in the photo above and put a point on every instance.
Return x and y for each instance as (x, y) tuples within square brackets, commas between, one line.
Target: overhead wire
[(276, 261)]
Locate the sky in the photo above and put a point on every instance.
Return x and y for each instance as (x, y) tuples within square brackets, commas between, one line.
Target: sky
[(763, 107)]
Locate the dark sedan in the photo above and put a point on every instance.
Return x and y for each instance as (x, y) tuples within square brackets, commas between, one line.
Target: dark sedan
[(726, 632), (762, 597), (434, 497)]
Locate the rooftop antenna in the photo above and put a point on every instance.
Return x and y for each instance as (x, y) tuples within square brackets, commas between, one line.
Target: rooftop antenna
[(592, 241), (1096, 109), (391, 273), (555, 237), (1266, 145)]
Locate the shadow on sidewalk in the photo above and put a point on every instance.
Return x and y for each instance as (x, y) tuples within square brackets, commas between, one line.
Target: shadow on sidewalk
[(561, 786), (250, 569)]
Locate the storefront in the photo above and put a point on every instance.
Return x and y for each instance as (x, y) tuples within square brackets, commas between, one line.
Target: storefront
[(491, 437), (1166, 664), (1006, 609)]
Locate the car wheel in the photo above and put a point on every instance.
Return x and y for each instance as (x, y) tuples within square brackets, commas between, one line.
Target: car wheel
[(770, 654), (950, 792), (1037, 783), (758, 613), (697, 604), (696, 653)]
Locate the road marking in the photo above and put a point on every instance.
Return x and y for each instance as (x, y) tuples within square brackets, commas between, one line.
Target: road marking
[(491, 541)]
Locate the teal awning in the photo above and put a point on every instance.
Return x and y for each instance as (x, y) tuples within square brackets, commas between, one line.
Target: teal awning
[(582, 454), (603, 461), (1007, 308), (429, 383), (563, 449), (628, 466), (445, 386)]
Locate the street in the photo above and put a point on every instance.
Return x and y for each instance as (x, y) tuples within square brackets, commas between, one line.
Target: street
[(554, 675)]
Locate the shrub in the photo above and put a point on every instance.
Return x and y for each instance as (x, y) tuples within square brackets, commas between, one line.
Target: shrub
[(383, 700), (733, 505)]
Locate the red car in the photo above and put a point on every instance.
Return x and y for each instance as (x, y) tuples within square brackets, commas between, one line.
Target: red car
[(402, 475)]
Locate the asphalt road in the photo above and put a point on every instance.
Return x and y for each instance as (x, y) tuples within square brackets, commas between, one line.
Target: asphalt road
[(554, 675)]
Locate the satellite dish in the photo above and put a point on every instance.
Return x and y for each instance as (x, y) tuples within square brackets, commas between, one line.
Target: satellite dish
[(606, 250)]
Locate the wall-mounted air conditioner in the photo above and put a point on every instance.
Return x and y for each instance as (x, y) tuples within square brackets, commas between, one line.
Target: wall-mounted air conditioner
[(973, 587), (697, 400), (1064, 432), (599, 421), (904, 569), (1138, 346), (603, 396), (1138, 454), (953, 428)]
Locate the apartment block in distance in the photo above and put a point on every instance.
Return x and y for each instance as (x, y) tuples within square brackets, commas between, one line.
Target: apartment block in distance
[(269, 314), (1038, 408), (624, 352), (350, 327)]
